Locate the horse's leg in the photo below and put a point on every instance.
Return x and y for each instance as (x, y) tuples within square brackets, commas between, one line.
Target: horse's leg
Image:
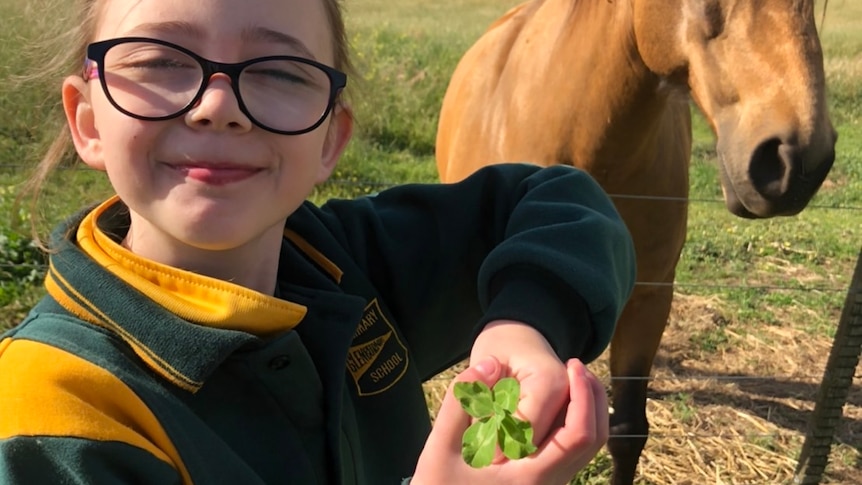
[(633, 349), (658, 231)]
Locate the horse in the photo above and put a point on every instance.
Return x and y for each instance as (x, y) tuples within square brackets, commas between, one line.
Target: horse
[(606, 86)]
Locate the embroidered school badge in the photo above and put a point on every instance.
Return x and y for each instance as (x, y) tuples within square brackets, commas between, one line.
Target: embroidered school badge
[(377, 359)]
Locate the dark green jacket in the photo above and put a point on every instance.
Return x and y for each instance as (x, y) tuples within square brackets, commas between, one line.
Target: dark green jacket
[(102, 385)]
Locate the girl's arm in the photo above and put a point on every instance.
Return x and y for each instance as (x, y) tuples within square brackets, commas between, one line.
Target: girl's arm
[(512, 242)]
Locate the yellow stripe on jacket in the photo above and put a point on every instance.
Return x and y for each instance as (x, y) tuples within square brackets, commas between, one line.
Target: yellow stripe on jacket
[(74, 398)]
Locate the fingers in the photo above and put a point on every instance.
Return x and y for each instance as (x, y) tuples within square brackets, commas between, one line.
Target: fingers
[(587, 414), (545, 394), (452, 420), (586, 422)]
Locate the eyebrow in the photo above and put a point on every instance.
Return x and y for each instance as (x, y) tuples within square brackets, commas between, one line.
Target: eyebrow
[(262, 34), (175, 27), (248, 34)]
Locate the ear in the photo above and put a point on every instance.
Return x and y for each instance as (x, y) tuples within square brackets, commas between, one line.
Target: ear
[(82, 121), (338, 134)]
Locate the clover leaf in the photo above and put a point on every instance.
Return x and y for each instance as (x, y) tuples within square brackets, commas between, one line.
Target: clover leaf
[(495, 425)]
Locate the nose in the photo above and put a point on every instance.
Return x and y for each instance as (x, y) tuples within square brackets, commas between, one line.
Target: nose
[(786, 175), (218, 108), (771, 168)]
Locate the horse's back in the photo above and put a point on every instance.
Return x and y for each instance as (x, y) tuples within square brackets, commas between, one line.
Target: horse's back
[(465, 120), (520, 93)]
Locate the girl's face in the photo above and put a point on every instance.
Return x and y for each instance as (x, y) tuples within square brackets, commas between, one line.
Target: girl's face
[(209, 179)]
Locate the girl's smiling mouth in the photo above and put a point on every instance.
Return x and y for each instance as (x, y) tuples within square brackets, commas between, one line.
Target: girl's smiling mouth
[(216, 173)]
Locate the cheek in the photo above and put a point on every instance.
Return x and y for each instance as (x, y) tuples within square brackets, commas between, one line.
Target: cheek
[(302, 150), (104, 113), (126, 142)]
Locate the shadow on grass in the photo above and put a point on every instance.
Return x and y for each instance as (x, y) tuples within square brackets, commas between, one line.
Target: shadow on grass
[(770, 399)]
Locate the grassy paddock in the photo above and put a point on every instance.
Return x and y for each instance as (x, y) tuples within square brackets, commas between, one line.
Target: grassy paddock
[(406, 50)]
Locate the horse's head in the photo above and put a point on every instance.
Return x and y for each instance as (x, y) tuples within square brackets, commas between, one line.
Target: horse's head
[(755, 69)]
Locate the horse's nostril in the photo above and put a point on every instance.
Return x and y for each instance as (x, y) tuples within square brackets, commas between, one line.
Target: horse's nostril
[(769, 168)]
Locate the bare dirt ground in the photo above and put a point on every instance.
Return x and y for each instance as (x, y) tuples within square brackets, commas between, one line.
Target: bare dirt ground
[(737, 414)]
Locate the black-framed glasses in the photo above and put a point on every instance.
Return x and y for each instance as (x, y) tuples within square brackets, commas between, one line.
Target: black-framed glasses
[(155, 80)]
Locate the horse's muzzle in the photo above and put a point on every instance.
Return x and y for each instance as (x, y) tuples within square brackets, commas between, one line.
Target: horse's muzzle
[(777, 181)]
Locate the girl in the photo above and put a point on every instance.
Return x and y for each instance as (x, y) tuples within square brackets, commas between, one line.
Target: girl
[(207, 325)]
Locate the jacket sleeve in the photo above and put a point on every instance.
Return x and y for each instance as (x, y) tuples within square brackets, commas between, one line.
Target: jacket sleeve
[(47, 459), (65, 420), (540, 245)]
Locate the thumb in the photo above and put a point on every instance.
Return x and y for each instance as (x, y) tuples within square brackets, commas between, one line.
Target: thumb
[(452, 420)]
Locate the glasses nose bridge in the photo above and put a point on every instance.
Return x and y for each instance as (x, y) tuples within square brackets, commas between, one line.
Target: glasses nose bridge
[(211, 68)]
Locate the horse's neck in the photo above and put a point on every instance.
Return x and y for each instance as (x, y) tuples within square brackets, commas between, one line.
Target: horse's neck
[(614, 105)]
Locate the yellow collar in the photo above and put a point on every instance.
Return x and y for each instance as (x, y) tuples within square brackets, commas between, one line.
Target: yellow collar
[(190, 296)]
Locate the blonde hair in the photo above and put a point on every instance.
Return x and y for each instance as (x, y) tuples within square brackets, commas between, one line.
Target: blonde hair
[(70, 49)]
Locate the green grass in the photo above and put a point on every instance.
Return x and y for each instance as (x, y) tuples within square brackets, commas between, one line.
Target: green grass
[(683, 407)]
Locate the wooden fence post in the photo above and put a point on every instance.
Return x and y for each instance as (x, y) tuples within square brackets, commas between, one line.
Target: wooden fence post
[(837, 379)]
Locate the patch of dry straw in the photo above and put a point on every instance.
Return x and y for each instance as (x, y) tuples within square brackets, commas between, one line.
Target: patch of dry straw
[(734, 416)]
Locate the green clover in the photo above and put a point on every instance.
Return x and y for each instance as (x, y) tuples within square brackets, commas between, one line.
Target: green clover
[(495, 424)]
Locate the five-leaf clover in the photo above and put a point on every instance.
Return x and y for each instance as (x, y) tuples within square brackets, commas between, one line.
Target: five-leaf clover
[(495, 425)]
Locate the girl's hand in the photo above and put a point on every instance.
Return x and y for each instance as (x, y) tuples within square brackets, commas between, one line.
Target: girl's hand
[(568, 448), (527, 356)]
